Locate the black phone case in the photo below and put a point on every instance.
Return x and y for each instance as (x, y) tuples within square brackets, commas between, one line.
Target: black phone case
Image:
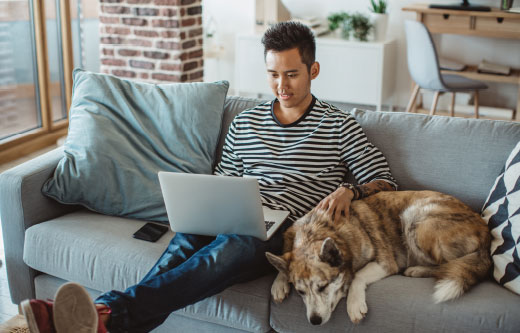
[(150, 232)]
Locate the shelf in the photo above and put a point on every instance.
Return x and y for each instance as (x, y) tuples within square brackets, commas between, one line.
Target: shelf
[(471, 73)]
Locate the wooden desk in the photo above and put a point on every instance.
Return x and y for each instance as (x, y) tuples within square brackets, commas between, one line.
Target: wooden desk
[(495, 24)]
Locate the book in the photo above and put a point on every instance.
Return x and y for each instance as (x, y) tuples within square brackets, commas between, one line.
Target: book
[(451, 65), (491, 68)]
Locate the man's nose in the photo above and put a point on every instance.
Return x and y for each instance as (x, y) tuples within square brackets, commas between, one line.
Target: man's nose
[(282, 83)]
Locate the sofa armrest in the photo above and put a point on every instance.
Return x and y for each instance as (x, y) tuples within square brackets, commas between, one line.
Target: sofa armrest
[(22, 205)]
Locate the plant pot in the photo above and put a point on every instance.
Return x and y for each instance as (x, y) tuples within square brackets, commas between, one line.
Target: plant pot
[(380, 23)]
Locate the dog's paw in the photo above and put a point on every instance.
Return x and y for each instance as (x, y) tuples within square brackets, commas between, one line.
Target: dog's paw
[(418, 271), (280, 288), (356, 308)]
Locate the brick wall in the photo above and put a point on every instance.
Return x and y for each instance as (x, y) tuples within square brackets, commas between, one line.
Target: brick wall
[(152, 40)]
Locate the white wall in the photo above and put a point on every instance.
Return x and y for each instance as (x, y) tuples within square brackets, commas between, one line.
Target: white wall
[(237, 16)]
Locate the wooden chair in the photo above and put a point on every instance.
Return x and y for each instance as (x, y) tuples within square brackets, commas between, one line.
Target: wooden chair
[(424, 69)]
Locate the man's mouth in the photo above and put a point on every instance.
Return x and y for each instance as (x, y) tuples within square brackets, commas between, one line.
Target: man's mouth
[(284, 96)]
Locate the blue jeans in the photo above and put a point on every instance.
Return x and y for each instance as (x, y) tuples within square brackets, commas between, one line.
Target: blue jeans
[(192, 268)]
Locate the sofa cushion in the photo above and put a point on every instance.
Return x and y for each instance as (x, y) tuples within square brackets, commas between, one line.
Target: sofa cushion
[(121, 133), (242, 307), (403, 304), (446, 154), (95, 250), (99, 252), (502, 212)]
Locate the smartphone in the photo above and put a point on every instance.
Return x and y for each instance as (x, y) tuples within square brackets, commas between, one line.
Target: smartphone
[(150, 232)]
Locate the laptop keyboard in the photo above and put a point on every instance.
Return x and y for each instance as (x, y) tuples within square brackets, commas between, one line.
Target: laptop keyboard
[(268, 225)]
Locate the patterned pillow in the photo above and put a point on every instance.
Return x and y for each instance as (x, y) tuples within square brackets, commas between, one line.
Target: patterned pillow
[(502, 212)]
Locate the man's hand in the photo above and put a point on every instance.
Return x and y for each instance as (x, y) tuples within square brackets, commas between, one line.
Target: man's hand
[(337, 202)]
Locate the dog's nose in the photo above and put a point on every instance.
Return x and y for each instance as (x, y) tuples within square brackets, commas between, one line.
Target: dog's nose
[(315, 319)]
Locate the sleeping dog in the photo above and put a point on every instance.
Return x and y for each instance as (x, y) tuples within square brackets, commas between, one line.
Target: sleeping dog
[(420, 233)]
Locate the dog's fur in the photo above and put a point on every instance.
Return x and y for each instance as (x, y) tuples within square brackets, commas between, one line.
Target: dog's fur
[(423, 233)]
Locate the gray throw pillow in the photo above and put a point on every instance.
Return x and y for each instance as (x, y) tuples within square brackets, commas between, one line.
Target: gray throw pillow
[(121, 133)]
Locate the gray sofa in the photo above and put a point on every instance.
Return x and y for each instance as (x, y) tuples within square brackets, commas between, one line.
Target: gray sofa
[(47, 243)]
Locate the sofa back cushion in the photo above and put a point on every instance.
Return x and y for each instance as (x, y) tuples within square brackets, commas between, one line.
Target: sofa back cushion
[(457, 156), (121, 133)]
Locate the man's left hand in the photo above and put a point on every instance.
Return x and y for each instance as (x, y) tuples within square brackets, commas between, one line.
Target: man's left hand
[(337, 202)]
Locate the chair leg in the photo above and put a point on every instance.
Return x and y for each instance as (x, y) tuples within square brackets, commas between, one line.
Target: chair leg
[(434, 103), (452, 107), (476, 104), (411, 103)]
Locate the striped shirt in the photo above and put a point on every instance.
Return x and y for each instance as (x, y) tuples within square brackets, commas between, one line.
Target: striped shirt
[(299, 164)]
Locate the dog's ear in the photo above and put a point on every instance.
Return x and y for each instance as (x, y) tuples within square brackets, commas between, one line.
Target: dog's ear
[(279, 262), (329, 253)]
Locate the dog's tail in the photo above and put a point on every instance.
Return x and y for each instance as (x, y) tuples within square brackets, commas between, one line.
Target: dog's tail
[(457, 276)]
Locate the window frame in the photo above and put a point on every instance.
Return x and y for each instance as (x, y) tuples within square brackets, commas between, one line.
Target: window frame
[(21, 144)]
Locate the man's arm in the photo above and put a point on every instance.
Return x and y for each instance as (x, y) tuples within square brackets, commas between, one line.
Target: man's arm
[(366, 163), (339, 201)]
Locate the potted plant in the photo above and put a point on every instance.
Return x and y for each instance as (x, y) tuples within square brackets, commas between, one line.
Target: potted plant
[(336, 20), (378, 6), (358, 25), (379, 18)]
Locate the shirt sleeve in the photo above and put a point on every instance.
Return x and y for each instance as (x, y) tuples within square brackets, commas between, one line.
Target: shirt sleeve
[(230, 164), (362, 158)]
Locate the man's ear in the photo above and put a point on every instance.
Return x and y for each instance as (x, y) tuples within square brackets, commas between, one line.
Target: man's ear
[(329, 253), (315, 70), (279, 262)]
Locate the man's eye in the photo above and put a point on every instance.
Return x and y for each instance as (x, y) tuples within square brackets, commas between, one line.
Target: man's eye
[(292, 76), (322, 288), (301, 292)]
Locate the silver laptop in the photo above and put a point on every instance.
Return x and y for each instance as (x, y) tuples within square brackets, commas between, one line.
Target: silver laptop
[(211, 205)]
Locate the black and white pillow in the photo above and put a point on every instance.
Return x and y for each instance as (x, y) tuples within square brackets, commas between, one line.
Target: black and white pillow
[(502, 213)]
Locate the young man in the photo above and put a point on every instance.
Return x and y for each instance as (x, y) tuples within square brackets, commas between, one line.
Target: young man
[(298, 147)]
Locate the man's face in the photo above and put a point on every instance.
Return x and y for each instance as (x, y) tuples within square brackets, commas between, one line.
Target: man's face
[(289, 78)]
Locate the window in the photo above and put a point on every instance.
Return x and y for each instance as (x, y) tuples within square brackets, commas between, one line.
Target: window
[(41, 41)]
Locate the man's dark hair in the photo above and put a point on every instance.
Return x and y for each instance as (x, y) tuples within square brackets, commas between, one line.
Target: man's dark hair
[(288, 35)]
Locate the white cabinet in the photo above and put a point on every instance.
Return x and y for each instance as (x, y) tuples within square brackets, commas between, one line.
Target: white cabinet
[(350, 72)]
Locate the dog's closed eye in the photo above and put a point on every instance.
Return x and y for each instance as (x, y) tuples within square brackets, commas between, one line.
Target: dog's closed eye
[(322, 288), (301, 292)]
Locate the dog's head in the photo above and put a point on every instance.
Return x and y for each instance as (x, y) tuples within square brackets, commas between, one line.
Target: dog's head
[(317, 271)]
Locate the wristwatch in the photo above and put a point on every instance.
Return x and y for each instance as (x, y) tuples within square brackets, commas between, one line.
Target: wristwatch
[(353, 188)]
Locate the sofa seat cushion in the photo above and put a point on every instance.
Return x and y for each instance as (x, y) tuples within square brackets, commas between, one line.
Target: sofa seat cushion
[(403, 304), (99, 252), (95, 250), (242, 307)]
